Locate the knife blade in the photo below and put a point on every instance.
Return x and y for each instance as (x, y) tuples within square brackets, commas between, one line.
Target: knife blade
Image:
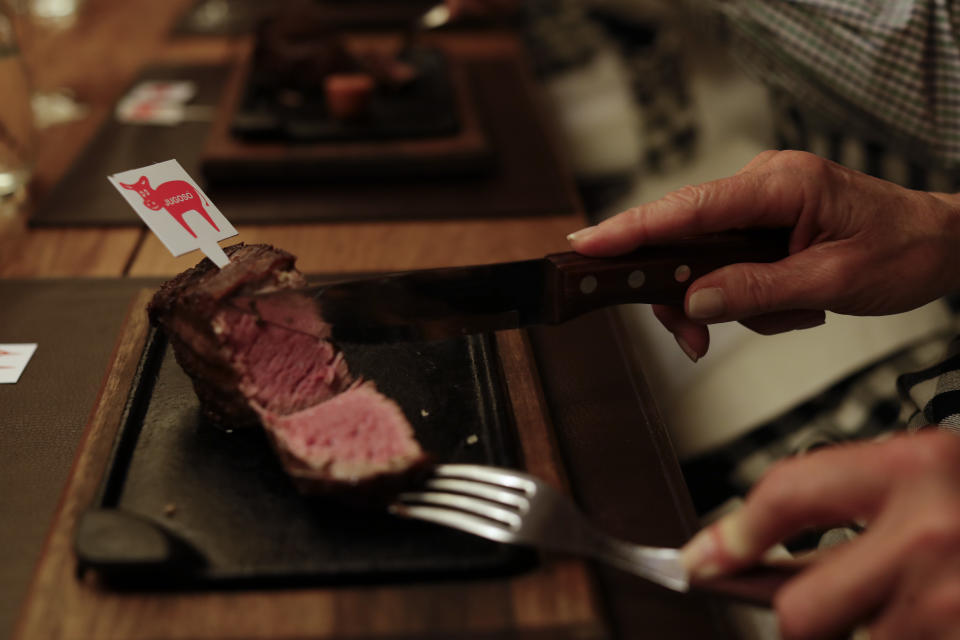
[(433, 304)]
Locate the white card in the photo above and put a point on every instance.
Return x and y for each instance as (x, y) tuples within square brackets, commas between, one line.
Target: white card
[(175, 209), (161, 103), (176, 91), (150, 113), (13, 360)]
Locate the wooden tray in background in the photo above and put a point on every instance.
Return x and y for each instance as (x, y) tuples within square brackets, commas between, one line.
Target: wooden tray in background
[(557, 600), (228, 158)]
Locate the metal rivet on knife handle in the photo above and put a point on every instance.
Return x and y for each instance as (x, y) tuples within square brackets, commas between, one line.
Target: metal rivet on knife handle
[(636, 279), (588, 284), (682, 274)]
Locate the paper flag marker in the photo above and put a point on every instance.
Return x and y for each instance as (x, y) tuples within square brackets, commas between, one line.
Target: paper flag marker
[(175, 209)]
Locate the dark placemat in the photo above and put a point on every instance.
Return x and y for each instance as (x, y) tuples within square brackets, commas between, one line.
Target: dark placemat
[(75, 323), (528, 178), (84, 197)]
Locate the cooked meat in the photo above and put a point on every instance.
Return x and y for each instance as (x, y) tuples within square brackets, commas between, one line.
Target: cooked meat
[(298, 53), (359, 433), (386, 67), (185, 307), (348, 95), (297, 48), (330, 429), (279, 370)]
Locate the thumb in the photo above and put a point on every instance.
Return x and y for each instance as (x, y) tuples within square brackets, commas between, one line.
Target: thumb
[(831, 486), (746, 290)]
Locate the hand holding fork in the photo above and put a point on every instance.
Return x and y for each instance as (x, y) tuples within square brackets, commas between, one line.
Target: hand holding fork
[(517, 508)]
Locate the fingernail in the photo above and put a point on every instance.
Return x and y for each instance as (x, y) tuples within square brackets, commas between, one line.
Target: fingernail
[(719, 545), (706, 303), (733, 536), (581, 234), (861, 633), (687, 349), (699, 554)]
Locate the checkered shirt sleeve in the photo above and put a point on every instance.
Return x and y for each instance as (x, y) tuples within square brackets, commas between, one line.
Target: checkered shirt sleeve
[(889, 65), (931, 396)]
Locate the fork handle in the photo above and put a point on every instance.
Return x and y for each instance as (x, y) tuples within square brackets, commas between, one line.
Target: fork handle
[(756, 585)]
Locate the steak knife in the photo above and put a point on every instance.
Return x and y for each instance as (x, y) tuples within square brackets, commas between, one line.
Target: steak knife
[(433, 304)]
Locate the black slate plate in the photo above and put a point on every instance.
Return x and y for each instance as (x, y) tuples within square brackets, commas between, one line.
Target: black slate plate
[(237, 519), (424, 108)]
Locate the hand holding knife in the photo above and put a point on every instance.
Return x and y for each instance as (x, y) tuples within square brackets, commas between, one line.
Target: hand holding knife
[(434, 304)]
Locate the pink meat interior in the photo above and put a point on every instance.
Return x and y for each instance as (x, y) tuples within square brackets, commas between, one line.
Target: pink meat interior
[(283, 371), (354, 431)]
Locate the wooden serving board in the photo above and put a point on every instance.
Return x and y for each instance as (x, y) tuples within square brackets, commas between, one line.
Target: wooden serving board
[(228, 158), (556, 600)]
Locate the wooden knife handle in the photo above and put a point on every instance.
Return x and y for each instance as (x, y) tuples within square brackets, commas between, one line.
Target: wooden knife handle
[(655, 274), (756, 585)]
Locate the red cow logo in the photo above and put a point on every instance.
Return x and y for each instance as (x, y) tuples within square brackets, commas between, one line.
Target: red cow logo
[(177, 197)]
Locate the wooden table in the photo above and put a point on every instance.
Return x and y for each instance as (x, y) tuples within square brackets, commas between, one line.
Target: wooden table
[(603, 424)]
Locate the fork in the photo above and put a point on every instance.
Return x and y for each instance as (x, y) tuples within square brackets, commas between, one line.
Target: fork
[(517, 508)]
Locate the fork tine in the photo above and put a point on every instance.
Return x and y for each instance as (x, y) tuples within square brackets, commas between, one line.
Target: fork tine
[(455, 519), (490, 475), (480, 490), (467, 504)]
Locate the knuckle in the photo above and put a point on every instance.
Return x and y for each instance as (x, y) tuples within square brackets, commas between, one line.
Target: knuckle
[(777, 488), (813, 173), (688, 199), (767, 155), (757, 288), (938, 531), (689, 196), (634, 213), (635, 221), (803, 162)]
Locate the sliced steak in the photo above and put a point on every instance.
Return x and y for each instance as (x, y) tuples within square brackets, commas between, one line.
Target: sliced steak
[(185, 308), (359, 434), (330, 429)]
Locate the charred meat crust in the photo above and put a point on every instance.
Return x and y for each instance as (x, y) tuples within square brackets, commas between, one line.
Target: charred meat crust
[(331, 432), (184, 307)]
